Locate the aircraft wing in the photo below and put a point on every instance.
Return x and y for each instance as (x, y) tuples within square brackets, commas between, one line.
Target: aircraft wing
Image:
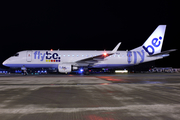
[(97, 58), (163, 54)]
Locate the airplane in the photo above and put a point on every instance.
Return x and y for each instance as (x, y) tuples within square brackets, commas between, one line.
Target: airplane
[(67, 61)]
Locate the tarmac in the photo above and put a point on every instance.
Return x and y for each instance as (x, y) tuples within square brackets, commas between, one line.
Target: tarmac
[(138, 96)]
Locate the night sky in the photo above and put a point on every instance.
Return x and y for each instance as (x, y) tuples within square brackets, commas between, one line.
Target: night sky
[(87, 25)]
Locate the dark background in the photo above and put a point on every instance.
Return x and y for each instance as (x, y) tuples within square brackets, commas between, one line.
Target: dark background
[(86, 25)]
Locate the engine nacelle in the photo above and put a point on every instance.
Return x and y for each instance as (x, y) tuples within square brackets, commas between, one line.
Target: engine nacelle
[(64, 68)]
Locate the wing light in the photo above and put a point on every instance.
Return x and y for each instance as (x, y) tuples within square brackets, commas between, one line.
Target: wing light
[(105, 54)]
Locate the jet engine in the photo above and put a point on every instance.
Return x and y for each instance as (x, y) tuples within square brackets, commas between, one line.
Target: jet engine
[(64, 68)]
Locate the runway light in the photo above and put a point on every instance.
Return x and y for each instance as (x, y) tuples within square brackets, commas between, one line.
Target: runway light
[(104, 84)]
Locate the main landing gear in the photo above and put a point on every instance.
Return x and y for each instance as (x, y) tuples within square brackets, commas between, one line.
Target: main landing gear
[(86, 71)]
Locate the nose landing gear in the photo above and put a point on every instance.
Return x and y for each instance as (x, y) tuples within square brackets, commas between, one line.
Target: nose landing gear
[(24, 69)]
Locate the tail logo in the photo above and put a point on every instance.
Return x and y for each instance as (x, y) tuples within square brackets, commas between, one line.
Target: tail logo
[(156, 42)]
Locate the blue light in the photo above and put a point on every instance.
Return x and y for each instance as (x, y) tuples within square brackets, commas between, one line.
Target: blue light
[(81, 70)]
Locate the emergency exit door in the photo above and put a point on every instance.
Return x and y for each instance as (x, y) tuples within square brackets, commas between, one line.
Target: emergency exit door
[(29, 56)]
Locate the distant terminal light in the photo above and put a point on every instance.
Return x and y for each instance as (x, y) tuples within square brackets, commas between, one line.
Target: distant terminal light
[(3, 71), (121, 71), (51, 49), (42, 71)]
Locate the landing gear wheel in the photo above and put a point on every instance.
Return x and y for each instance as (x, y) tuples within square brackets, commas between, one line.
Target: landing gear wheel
[(25, 73), (86, 72)]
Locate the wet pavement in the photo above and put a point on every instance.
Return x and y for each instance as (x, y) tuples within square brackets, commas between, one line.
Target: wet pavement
[(94, 97)]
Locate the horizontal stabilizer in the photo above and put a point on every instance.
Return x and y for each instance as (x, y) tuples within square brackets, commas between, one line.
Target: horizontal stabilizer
[(163, 54)]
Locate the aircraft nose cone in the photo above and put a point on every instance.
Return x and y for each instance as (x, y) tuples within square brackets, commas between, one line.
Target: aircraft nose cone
[(5, 62)]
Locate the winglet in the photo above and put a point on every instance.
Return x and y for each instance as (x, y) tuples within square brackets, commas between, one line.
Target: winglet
[(116, 48)]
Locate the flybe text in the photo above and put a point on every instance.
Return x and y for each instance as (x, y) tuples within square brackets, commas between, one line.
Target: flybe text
[(155, 43), (135, 53), (50, 57)]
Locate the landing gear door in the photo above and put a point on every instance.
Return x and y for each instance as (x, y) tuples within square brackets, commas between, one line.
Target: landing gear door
[(29, 56)]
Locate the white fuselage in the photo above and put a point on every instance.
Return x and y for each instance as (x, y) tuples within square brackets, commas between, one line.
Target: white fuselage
[(47, 59)]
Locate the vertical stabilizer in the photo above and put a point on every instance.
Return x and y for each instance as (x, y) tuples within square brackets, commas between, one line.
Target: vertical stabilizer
[(153, 44)]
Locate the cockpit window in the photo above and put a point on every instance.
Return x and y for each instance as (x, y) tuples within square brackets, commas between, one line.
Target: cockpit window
[(17, 54)]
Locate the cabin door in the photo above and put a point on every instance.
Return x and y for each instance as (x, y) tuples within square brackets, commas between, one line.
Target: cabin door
[(29, 56)]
